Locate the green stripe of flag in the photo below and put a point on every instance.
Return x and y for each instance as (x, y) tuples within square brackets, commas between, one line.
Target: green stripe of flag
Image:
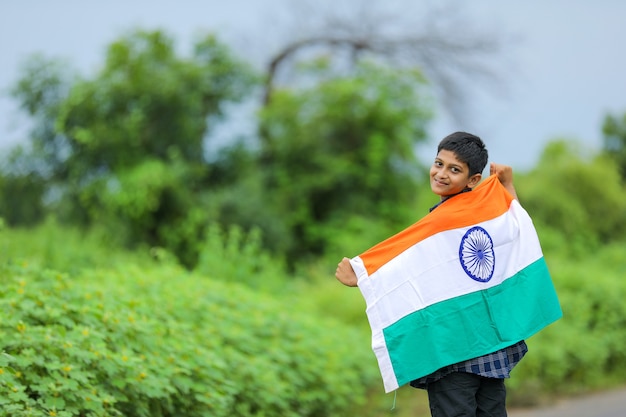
[(472, 325)]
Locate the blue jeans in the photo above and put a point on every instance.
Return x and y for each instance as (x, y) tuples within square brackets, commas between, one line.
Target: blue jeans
[(461, 394)]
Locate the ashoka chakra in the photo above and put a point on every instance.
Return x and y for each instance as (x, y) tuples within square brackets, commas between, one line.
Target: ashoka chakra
[(476, 254)]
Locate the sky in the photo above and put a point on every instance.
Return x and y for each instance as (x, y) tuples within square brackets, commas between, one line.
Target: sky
[(562, 75)]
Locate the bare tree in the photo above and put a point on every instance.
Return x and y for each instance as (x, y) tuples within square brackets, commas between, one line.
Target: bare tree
[(437, 39)]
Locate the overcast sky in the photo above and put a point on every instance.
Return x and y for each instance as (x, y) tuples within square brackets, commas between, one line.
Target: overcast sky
[(564, 75)]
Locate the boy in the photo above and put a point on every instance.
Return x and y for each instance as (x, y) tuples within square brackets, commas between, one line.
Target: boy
[(472, 388)]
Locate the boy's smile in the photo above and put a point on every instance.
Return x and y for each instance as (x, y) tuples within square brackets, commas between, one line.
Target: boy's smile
[(450, 176)]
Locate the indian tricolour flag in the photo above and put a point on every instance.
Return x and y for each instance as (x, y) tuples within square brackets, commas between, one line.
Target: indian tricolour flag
[(466, 280)]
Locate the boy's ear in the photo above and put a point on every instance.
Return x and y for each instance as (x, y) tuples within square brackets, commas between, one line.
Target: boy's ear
[(474, 180)]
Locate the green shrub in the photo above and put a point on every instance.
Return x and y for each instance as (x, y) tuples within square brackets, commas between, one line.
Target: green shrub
[(163, 342), (69, 249), (239, 257)]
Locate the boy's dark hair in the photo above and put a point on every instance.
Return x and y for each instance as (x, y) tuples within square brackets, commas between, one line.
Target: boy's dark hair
[(468, 148)]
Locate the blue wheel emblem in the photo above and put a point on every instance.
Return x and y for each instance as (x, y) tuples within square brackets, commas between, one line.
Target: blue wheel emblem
[(476, 254)]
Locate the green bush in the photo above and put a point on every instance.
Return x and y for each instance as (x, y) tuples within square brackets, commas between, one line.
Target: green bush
[(69, 249), (236, 256), (133, 334), (163, 342)]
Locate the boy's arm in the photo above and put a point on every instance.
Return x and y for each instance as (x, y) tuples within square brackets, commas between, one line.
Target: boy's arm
[(345, 274), (505, 175)]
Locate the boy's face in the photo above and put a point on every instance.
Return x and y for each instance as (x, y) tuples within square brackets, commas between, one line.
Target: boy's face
[(449, 176)]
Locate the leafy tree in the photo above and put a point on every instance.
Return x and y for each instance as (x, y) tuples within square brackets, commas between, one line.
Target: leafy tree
[(241, 198), (40, 91), (126, 149), (343, 148), (28, 170), (21, 199), (147, 102), (614, 130)]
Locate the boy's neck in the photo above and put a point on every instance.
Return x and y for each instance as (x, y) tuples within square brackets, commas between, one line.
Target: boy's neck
[(447, 197)]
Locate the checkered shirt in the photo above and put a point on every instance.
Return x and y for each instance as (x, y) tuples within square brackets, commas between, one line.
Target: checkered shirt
[(494, 365)]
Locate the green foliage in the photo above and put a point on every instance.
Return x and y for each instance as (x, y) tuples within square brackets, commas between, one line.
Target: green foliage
[(59, 247), (341, 236), (21, 198), (240, 198), (27, 170), (317, 290), (147, 204), (126, 149), (578, 199), (147, 103), (614, 130), (40, 91), (239, 257), (162, 342), (139, 336), (342, 148), (137, 131), (370, 231)]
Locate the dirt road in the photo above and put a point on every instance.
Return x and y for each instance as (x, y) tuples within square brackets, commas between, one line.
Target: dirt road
[(605, 404)]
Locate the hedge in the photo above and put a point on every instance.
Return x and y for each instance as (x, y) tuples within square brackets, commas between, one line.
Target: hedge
[(165, 342)]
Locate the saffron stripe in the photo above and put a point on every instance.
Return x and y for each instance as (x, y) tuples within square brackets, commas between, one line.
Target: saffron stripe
[(488, 200), (436, 274)]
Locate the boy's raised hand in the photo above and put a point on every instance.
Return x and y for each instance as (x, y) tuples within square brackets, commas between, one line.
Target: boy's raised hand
[(505, 175), (345, 274)]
